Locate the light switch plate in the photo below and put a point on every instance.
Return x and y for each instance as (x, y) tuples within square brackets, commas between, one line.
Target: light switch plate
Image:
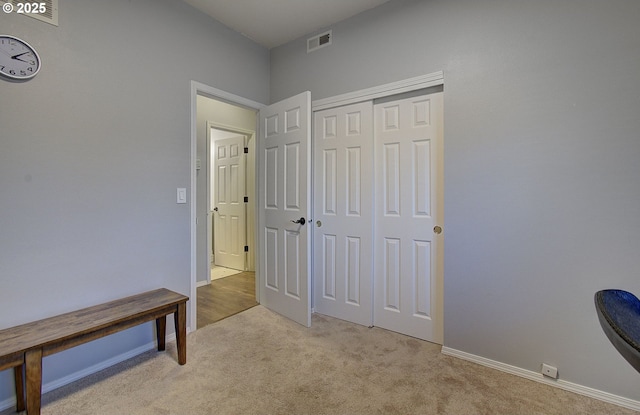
[(181, 195)]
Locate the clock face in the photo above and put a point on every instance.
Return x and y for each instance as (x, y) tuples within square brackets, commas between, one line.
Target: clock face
[(18, 60)]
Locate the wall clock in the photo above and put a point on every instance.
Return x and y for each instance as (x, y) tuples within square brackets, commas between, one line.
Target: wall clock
[(18, 60)]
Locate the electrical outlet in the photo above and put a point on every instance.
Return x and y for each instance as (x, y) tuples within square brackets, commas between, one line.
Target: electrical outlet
[(549, 371)]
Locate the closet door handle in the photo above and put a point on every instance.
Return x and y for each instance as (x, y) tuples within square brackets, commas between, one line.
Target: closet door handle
[(300, 221)]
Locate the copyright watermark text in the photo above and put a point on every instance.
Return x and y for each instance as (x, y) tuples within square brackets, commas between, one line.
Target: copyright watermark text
[(25, 8)]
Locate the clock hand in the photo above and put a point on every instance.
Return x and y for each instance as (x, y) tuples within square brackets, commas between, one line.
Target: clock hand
[(18, 56), (18, 59)]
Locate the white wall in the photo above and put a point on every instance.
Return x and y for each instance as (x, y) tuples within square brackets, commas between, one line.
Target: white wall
[(91, 153), (542, 144)]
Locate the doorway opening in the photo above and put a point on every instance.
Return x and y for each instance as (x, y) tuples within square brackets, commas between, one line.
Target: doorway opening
[(218, 116), (230, 224), (231, 219)]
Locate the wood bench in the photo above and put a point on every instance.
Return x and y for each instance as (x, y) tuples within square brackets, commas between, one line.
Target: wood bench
[(23, 347)]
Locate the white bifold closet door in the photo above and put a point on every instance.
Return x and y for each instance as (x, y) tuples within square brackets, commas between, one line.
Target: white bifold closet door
[(378, 214), (343, 219), (409, 208)]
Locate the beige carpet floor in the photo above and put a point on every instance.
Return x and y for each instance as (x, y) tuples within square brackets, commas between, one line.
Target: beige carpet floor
[(257, 362)]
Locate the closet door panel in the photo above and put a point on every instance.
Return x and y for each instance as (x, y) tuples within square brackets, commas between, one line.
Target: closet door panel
[(408, 247), (343, 219)]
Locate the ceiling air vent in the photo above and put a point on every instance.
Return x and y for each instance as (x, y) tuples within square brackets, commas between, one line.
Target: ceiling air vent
[(45, 10), (319, 41)]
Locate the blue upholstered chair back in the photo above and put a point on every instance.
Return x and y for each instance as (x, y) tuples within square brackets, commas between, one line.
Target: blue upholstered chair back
[(619, 315)]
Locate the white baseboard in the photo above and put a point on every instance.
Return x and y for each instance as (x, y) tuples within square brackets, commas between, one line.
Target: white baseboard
[(57, 383), (202, 283), (538, 377)]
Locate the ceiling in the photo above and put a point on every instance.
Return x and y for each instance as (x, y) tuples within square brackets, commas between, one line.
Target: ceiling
[(273, 23)]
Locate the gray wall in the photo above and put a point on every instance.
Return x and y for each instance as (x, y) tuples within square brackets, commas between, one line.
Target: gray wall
[(542, 170), (91, 153)]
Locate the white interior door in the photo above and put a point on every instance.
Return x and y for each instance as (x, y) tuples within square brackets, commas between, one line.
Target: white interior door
[(409, 212), (284, 196), (229, 211), (343, 218)]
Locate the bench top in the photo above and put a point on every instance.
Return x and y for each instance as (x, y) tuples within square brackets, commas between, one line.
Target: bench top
[(87, 320)]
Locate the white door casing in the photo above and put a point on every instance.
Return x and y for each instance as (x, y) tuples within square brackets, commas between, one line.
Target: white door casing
[(343, 217), (229, 208), (409, 212), (284, 186)]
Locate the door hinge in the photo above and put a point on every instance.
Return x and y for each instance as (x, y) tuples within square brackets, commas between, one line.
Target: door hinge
[(246, 248), (246, 199), (246, 150)]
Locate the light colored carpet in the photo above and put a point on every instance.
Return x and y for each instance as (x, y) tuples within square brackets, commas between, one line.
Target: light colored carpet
[(258, 362)]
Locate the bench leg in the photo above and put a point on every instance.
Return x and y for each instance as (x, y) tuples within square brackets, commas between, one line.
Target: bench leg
[(180, 319), (18, 373), (33, 364), (161, 329)]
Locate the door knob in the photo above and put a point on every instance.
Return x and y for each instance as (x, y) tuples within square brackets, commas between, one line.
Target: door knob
[(215, 209), (437, 230), (300, 221)]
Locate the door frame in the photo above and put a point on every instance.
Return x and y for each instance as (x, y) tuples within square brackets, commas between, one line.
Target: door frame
[(198, 88), (249, 142), (380, 91)]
